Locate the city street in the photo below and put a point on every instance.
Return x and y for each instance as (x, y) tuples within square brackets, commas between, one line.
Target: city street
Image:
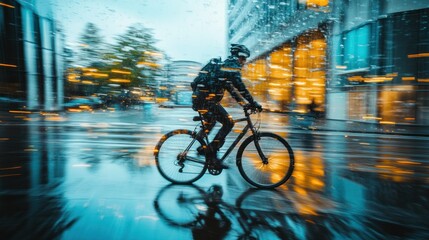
[(92, 175)]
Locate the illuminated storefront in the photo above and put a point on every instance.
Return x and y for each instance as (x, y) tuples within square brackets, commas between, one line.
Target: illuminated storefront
[(287, 69), (293, 74), (349, 60)]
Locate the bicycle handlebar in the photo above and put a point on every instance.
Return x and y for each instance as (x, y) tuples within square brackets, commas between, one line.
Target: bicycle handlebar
[(253, 109)]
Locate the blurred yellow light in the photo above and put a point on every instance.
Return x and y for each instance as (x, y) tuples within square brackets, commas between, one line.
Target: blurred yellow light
[(378, 79), (55, 119), (120, 71), (408, 162), (298, 111), (146, 98), (387, 122), (90, 69), (19, 111), (149, 64), (48, 114), (74, 110), (87, 82), (156, 54), (119, 80), (395, 74), (7, 65), (6, 5), (371, 118), (418, 55), (300, 191), (91, 74), (161, 99)]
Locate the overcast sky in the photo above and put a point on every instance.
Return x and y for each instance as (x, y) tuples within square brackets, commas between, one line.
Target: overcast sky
[(185, 29)]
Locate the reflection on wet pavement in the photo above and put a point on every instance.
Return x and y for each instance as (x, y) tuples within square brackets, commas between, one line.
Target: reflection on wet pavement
[(93, 177)]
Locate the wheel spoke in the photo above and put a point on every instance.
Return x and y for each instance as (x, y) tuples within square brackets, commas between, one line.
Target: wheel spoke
[(170, 162), (280, 161)]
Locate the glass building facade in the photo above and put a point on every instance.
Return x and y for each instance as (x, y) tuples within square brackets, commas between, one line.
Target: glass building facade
[(31, 62), (353, 60)]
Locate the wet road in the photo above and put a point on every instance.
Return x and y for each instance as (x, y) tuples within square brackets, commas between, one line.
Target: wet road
[(92, 176)]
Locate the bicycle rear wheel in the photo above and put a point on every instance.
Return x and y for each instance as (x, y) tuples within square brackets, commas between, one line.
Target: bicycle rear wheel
[(177, 159), (276, 171)]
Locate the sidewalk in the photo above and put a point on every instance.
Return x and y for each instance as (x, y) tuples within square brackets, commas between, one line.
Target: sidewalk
[(361, 127), (289, 120), (303, 122)]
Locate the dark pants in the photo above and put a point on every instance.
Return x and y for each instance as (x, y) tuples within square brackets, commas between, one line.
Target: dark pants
[(216, 113)]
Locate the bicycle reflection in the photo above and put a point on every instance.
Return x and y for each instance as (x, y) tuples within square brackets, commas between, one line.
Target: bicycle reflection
[(208, 216), (268, 214)]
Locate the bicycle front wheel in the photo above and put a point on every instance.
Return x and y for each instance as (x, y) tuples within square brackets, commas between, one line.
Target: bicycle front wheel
[(177, 159), (271, 172), (179, 205)]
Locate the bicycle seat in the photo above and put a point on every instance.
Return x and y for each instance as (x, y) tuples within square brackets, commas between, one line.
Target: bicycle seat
[(197, 118)]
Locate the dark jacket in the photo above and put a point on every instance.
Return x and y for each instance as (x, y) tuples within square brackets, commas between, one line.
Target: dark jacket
[(227, 77)]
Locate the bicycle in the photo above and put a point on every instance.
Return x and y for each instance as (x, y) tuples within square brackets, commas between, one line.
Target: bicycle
[(264, 159)]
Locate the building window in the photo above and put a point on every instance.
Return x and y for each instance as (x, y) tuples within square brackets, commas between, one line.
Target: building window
[(356, 48), (406, 46), (304, 4)]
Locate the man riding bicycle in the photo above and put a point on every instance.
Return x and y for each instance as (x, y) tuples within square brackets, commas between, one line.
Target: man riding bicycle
[(207, 94)]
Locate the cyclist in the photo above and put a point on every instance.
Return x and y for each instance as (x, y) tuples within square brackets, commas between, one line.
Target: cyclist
[(207, 96)]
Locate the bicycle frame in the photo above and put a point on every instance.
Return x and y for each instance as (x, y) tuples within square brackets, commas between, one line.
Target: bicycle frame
[(243, 132)]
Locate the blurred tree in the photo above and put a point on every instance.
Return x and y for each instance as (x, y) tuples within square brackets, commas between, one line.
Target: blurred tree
[(132, 61), (91, 45), (93, 74), (135, 52)]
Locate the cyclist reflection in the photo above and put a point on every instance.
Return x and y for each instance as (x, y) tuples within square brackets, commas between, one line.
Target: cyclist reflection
[(210, 217), (214, 224)]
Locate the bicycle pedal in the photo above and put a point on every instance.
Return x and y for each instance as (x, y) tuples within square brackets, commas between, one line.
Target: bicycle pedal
[(214, 171), (219, 165), (223, 166)]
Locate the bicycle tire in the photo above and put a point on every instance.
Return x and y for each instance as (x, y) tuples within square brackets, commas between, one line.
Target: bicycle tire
[(176, 212), (167, 154), (280, 161), (263, 211)]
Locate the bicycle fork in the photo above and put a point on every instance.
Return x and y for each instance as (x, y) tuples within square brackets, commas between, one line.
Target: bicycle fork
[(259, 149), (256, 138)]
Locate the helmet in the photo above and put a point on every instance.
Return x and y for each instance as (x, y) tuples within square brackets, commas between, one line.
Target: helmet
[(239, 50)]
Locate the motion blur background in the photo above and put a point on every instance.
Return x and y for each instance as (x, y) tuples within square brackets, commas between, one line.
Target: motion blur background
[(365, 60)]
